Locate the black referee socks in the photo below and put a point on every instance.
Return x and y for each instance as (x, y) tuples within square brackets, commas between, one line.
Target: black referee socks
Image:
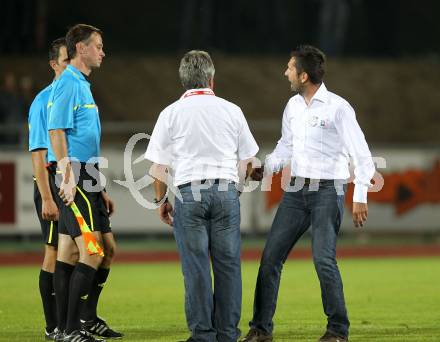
[(61, 281), (89, 309), (48, 298), (80, 285)]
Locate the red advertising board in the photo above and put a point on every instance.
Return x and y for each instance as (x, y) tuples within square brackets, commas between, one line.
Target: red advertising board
[(7, 192)]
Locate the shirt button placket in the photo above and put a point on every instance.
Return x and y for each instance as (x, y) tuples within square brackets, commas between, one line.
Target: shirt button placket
[(305, 122)]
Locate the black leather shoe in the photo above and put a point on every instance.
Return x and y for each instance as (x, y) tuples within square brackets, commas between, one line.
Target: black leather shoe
[(255, 335), (330, 337)]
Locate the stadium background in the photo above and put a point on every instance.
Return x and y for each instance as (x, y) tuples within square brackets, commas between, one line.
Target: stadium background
[(384, 58)]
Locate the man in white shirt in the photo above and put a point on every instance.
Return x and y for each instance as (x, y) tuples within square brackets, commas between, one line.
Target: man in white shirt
[(200, 140), (319, 134)]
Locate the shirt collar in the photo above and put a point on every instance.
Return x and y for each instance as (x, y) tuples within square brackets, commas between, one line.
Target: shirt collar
[(321, 94), (78, 74), (198, 91)]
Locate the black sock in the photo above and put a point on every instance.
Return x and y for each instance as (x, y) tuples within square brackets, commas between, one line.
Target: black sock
[(48, 298), (80, 284), (89, 309), (61, 281)]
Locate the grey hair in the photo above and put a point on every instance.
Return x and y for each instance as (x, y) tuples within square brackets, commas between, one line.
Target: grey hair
[(196, 69)]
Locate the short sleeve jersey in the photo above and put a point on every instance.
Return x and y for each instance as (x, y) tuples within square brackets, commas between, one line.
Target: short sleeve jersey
[(72, 108), (37, 120)]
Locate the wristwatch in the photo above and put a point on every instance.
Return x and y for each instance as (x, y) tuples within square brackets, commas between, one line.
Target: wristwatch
[(161, 201)]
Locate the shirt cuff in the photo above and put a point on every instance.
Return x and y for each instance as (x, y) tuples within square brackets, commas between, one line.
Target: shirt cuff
[(157, 157), (360, 193), (250, 154), (38, 146), (273, 164), (53, 127)]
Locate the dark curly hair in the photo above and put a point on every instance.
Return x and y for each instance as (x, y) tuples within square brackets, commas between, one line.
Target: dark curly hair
[(310, 60)]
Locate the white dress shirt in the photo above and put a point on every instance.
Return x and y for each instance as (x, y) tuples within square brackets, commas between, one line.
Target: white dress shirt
[(319, 139), (201, 136)]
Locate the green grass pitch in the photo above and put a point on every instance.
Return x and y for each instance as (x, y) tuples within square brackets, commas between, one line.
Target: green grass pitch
[(388, 300)]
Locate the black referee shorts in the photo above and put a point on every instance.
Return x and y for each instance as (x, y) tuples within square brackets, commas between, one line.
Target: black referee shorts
[(49, 229), (90, 204)]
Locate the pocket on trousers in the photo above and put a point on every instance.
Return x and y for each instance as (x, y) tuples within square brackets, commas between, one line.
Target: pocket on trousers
[(191, 214), (340, 202), (231, 214), (194, 230)]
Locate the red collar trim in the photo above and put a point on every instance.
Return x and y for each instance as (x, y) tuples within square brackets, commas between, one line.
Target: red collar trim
[(198, 92)]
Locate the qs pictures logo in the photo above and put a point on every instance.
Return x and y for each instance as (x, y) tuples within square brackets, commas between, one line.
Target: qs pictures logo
[(135, 186)]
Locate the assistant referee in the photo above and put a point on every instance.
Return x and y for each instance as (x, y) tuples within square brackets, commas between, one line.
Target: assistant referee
[(47, 210), (75, 132)]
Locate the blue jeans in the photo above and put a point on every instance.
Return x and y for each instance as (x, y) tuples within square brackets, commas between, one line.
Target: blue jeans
[(208, 230), (323, 210)]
